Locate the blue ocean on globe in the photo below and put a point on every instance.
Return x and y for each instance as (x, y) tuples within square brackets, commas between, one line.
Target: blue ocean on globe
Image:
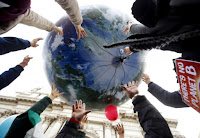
[(84, 69)]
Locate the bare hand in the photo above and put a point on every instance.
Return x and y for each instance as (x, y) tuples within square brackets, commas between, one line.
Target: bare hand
[(83, 121), (78, 110), (55, 93), (127, 51), (25, 61), (80, 32), (146, 78), (58, 30), (120, 130), (132, 89), (34, 42), (127, 28)]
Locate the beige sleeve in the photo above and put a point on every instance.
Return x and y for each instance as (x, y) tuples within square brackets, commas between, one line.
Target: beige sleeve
[(33, 19), (72, 9)]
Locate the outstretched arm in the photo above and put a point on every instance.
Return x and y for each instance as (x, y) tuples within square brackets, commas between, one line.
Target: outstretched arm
[(30, 118), (73, 10), (170, 99), (9, 44), (136, 28), (150, 119), (71, 127), (33, 19), (9, 76), (167, 98), (41, 105), (120, 129)]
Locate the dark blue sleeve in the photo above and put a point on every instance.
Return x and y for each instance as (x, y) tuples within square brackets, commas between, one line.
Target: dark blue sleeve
[(9, 76), (167, 98), (150, 119), (9, 44)]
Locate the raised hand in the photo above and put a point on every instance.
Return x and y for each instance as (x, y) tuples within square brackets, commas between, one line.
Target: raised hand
[(131, 89), (34, 42), (54, 93), (120, 129), (80, 32), (78, 110), (25, 61), (146, 78), (58, 30), (127, 28), (127, 51)]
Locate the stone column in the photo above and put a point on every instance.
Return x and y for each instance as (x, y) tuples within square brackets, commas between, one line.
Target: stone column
[(47, 122), (56, 127), (107, 129), (48, 131)]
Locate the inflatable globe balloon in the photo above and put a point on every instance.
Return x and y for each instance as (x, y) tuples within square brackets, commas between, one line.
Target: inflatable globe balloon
[(84, 69)]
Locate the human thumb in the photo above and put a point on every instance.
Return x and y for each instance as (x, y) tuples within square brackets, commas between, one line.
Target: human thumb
[(123, 87), (87, 112)]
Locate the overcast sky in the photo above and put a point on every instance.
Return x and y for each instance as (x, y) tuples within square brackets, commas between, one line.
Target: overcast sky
[(158, 64)]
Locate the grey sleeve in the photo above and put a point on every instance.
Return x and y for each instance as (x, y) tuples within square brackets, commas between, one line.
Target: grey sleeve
[(172, 99)]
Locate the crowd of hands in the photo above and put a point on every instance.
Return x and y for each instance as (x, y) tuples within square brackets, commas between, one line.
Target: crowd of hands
[(78, 109), (79, 112)]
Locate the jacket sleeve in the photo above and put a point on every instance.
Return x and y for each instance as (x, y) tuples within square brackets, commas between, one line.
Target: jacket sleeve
[(9, 76), (72, 9), (41, 105), (33, 19), (69, 130), (167, 98), (9, 44), (139, 29), (150, 119), (22, 122), (154, 10)]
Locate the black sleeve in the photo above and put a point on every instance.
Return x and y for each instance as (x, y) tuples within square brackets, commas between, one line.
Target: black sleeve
[(41, 105), (150, 119), (139, 29), (70, 130), (9, 44), (154, 10), (9, 76), (167, 98)]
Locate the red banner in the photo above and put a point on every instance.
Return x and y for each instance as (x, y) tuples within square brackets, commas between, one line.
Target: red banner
[(188, 73)]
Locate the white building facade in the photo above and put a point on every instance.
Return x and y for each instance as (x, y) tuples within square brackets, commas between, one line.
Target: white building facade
[(97, 126)]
